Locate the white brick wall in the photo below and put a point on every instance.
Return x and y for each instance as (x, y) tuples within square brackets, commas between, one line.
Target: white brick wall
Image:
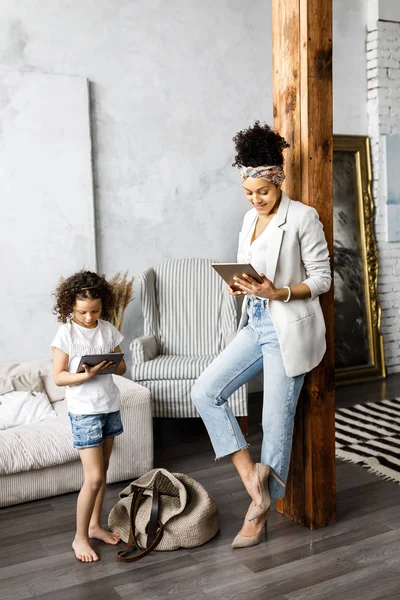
[(383, 76)]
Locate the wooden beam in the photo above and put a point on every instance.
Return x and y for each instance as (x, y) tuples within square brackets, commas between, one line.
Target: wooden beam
[(302, 80), (286, 87)]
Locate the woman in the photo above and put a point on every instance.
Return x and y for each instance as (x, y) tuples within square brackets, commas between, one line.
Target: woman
[(281, 331)]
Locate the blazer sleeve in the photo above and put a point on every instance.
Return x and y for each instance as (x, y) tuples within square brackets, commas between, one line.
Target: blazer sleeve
[(315, 254)]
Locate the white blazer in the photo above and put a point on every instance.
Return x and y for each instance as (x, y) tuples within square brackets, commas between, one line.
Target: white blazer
[(297, 253)]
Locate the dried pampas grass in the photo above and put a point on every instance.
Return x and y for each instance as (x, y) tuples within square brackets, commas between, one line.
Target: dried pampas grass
[(123, 289)]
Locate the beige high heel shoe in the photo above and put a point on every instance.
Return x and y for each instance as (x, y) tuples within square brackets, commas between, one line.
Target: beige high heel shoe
[(245, 541), (263, 474)]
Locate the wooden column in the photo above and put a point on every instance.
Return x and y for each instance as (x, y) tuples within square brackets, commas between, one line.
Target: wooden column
[(302, 80)]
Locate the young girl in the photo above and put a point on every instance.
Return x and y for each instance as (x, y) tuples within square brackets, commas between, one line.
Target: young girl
[(92, 397)]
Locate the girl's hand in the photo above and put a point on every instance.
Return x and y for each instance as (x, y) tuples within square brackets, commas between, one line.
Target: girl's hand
[(235, 292), (248, 285), (93, 371)]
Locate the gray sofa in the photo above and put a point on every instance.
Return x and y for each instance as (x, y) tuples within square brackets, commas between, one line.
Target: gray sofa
[(38, 460)]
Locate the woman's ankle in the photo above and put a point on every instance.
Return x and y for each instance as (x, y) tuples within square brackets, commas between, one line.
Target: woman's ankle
[(248, 475)]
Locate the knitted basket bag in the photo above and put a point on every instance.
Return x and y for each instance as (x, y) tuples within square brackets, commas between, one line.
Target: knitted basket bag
[(164, 511)]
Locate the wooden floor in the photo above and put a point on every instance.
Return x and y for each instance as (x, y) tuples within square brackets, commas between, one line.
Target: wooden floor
[(358, 558)]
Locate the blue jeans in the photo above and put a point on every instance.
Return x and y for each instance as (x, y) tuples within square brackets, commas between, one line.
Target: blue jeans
[(256, 347)]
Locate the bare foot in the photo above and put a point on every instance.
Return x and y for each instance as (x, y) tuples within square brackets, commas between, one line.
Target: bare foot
[(253, 527), (108, 537), (84, 551)]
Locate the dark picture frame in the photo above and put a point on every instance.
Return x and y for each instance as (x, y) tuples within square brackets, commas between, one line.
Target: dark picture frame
[(359, 353)]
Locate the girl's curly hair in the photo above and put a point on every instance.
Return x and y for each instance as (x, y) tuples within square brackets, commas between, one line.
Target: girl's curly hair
[(259, 145), (82, 285)]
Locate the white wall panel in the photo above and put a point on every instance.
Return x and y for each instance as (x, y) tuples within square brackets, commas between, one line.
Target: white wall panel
[(46, 191)]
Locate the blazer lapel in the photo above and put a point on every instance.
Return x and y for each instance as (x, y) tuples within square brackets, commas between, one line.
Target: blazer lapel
[(275, 239)]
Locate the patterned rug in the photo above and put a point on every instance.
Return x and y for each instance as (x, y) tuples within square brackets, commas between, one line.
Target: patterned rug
[(369, 434)]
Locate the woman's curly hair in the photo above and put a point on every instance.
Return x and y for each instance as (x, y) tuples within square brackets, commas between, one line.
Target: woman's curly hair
[(83, 285), (259, 145)]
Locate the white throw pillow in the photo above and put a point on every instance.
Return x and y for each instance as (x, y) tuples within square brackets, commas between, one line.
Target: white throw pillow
[(54, 392), (23, 407)]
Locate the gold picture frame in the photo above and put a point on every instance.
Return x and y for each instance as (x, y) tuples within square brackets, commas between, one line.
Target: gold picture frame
[(359, 353)]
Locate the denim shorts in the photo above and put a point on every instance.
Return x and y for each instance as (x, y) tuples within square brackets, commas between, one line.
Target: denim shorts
[(89, 431)]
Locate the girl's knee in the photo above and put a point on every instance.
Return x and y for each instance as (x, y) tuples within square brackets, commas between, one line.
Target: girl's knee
[(95, 481)]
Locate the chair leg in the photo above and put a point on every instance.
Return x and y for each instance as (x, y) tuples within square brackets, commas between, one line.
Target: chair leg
[(244, 425)]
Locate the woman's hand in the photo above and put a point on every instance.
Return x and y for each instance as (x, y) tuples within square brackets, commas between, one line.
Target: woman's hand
[(248, 285), (235, 292), (97, 369)]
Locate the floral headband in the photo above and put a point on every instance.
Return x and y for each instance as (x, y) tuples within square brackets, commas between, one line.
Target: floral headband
[(274, 174)]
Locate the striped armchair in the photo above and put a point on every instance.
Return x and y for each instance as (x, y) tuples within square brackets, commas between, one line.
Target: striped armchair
[(188, 319)]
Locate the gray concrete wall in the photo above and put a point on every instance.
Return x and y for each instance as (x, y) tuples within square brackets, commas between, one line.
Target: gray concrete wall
[(171, 83)]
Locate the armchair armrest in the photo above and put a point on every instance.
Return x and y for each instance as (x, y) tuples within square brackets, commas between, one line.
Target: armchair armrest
[(143, 349)]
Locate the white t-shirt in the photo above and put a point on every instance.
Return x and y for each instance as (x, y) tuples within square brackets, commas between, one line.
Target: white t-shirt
[(100, 394)]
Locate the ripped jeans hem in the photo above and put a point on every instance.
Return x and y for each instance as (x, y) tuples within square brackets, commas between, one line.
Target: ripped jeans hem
[(233, 452)]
